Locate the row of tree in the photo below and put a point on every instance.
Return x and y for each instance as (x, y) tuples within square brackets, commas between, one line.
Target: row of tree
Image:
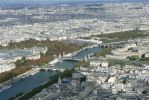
[(103, 52), (82, 64), (121, 36), (13, 73)]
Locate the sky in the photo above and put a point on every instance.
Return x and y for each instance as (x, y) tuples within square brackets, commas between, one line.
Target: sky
[(52, 1)]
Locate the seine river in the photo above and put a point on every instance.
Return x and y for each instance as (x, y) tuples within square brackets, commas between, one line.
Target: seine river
[(41, 77)]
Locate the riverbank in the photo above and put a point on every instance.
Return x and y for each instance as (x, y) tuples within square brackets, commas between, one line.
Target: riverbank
[(5, 76), (8, 84)]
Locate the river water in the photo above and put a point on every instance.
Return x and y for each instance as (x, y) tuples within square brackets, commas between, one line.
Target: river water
[(41, 77)]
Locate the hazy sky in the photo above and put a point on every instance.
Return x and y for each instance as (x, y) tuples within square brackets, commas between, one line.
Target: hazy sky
[(53, 1)]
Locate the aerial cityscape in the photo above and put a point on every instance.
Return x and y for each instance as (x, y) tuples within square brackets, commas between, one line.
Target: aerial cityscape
[(74, 50)]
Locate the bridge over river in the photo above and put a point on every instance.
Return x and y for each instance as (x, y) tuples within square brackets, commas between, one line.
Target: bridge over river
[(55, 69), (73, 58)]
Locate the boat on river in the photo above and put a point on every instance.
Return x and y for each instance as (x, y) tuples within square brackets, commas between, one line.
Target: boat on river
[(3, 88)]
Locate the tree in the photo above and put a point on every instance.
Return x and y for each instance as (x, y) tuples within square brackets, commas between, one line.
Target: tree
[(82, 64)]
